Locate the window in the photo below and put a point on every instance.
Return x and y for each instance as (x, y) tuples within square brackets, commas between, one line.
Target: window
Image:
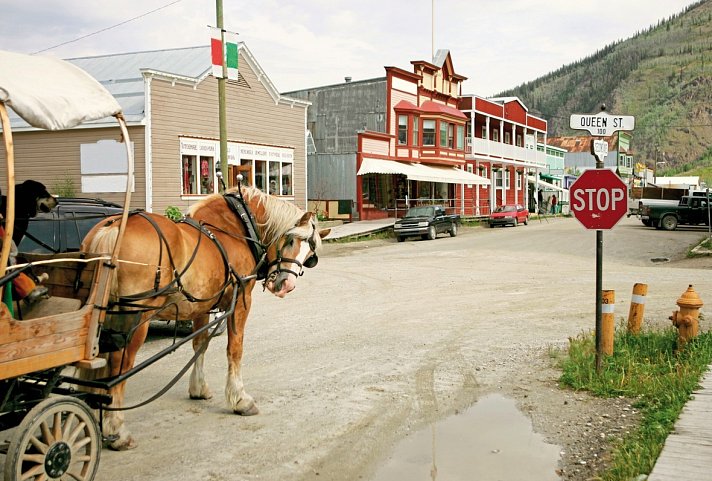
[(484, 131), (443, 133), (507, 138), (519, 140), (495, 135), (460, 137), (287, 179), (498, 176), (198, 175), (402, 129), (274, 170), (451, 135), (428, 132), (416, 128), (261, 175), (483, 171), (519, 180)]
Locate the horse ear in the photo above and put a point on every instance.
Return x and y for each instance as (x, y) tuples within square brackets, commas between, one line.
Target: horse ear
[(324, 232), (305, 219)]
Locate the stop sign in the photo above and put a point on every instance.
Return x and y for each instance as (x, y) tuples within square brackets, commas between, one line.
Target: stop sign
[(599, 199)]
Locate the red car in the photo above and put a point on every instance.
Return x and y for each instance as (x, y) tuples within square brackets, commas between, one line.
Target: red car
[(509, 214)]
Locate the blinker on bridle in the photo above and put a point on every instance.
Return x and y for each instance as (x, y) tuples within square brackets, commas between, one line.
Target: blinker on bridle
[(309, 262)]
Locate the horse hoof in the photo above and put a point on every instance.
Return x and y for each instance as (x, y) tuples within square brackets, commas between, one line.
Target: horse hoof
[(123, 444), (251, 410), (206, 394)]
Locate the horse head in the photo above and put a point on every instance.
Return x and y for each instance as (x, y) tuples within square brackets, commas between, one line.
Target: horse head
[(290, 253)]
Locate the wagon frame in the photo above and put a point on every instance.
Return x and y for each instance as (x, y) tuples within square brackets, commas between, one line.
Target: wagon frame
[(57, 435)]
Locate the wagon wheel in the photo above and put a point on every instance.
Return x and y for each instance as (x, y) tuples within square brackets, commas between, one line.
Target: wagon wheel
[(57, 440)]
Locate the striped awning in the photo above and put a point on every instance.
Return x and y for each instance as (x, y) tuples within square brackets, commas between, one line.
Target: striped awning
[(422, 172)]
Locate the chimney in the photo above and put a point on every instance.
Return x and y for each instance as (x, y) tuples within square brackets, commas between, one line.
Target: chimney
[(347, 79)]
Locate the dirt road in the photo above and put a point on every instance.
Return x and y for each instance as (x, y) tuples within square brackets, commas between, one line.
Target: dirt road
[(383, 337)]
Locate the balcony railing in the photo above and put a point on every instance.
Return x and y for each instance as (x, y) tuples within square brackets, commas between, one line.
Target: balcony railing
[(498, 151)]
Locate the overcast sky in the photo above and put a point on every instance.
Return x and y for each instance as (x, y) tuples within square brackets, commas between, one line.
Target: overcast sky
[(497, 44)]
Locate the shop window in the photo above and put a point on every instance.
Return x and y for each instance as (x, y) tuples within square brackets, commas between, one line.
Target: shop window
[(416, 128), (429, 132), (402, 129), (460, 137), (261, 175), (198, 175), (443, 133), (274, 169), (287, 179)]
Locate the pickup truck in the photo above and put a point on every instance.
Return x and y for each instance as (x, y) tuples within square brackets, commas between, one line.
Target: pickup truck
[(427, 222), (690, 210)]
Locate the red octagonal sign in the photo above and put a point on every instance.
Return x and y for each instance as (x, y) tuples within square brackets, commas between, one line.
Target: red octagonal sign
[(599, 199)]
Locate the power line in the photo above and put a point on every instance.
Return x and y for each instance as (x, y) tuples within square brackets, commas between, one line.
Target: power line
[(107, 28)]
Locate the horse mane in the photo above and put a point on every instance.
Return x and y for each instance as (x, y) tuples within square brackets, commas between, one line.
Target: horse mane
[(280, 217)]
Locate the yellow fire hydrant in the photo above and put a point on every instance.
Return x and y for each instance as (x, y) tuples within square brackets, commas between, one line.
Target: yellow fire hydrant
[(686, 320)]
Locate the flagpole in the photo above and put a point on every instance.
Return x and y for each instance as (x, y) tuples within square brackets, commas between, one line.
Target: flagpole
[(221, 101)]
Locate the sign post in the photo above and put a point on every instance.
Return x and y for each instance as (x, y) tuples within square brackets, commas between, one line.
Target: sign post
[(600, 197)]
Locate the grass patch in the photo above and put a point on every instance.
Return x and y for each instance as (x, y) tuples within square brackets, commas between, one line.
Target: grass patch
[(647, 369), (384, 234)]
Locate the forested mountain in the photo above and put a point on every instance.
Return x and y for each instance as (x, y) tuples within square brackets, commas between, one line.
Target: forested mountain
[(662, 76)]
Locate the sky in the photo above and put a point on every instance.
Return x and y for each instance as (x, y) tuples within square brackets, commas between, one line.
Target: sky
[(497, 44)]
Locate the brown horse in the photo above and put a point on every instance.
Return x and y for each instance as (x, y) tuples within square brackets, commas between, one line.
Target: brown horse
[(162, 262)]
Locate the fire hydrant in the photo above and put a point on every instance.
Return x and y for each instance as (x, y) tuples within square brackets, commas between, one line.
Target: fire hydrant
[(686, 320)]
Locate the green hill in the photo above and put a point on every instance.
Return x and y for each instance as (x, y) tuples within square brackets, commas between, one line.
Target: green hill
[(662, 76)]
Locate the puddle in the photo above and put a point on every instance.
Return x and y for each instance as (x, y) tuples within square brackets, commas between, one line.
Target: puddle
[(492, 440)]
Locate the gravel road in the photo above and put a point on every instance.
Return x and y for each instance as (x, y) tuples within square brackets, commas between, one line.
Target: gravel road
[(383, 338)]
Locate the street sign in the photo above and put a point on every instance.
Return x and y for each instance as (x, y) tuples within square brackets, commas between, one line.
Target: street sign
[(602, 124), (599, 199), (600, 149)]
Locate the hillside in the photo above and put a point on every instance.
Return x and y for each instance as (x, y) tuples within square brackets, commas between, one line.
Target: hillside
[(662, 76)]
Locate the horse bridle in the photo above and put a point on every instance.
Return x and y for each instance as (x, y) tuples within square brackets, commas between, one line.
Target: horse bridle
[(309, 262), (239, 207)]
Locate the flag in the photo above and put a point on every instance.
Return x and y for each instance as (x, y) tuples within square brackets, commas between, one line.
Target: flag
[(216, 52), (223, 53), (231, 54)]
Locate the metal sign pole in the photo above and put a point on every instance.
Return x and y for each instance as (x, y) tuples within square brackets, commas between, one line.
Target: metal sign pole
[(598, 151)]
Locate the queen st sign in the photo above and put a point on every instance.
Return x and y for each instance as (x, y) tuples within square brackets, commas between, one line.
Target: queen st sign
[(602, 124)]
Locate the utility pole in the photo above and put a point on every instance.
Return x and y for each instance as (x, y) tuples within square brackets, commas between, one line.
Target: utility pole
[(221, 100)]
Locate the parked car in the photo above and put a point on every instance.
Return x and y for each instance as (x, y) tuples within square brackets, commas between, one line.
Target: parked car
[(426, 221), (64, 228), (509, 214)]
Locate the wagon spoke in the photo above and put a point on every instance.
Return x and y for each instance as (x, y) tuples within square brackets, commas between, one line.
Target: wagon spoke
[(42, 477), (46, 434), (34, 458), (57, 427), (32, 472), (73, 436), (39, 445), (68, 425), (71, 475), (83, 442)]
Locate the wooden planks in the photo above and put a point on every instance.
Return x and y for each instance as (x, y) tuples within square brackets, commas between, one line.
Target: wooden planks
[(687, 454)]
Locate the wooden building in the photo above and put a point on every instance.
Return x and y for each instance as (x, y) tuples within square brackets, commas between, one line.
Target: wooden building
[(170, 101)]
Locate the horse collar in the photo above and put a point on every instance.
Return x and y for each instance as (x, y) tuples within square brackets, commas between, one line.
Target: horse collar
[(242, 211)]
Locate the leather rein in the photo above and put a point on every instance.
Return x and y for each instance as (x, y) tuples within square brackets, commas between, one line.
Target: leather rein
[(261, 270)]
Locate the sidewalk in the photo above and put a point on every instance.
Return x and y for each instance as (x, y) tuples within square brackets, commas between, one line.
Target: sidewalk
[(687, 454), (360, 228)]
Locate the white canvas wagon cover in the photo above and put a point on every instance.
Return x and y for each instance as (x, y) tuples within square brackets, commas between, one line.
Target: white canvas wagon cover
[(50, 93)]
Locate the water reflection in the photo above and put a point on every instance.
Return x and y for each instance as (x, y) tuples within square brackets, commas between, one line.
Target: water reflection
[(492, 440)]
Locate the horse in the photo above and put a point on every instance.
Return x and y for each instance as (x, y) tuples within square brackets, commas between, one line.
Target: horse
[(194, 266), (31, 198)]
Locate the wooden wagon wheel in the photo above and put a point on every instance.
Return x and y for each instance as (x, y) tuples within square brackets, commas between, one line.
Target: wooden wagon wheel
[(58, 440)]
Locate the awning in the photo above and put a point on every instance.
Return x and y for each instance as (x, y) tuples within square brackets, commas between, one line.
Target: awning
[(427, 173), (547, 185)]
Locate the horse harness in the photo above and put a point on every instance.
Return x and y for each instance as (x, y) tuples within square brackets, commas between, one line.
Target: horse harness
[(259, 252)]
